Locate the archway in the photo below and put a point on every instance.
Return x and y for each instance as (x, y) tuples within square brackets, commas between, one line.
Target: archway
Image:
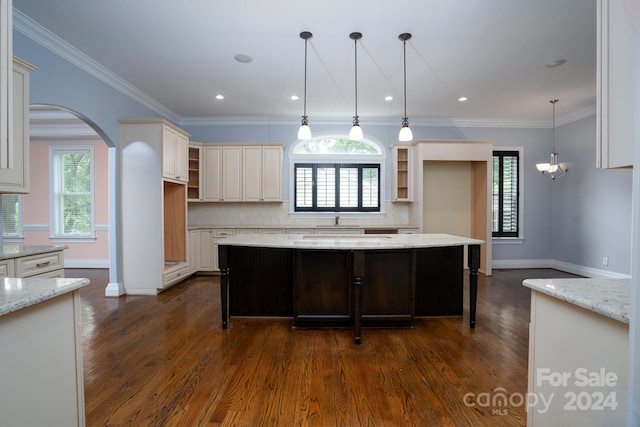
[(53, 125)]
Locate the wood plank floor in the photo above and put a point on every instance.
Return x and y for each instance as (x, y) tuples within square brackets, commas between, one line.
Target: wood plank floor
[(165, 361)]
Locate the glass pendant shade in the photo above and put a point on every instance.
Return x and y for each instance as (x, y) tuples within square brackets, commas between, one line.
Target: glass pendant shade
[(405, 133), (356, 133), (304, 132)]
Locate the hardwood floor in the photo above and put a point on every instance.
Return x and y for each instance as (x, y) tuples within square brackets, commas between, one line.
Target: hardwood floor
[(165, 361)]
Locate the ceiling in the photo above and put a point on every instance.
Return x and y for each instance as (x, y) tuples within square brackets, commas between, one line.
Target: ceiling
[(492, 51)]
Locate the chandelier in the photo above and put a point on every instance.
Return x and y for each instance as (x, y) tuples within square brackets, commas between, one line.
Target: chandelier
[(553, 169)]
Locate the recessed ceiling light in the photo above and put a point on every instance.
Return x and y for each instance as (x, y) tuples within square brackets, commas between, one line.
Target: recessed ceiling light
[(219, 97), (388, 98), (555, 63), (241, 57), (294, 97), (463, 99)]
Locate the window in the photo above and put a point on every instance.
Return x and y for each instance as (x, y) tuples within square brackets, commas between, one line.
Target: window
[(12, 215), (336, 175), (506, 194), (72, 192)]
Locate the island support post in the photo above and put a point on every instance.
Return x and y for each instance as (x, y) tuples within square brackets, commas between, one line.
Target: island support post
[(473, 262)]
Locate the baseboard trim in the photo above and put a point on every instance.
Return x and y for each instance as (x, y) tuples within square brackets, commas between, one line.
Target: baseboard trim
[(567, 267)]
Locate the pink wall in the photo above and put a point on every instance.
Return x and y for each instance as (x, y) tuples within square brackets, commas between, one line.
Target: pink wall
[(93, 254)]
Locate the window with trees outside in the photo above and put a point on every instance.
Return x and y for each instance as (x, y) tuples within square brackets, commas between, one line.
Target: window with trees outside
[(506, 193), (337, 175), (72, 199), (12, 216)]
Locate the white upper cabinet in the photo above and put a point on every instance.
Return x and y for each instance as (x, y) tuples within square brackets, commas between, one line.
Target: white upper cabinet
[(175, 154), (615, 82), (6, 54), (15, 177), (262, 177), (211, 168)]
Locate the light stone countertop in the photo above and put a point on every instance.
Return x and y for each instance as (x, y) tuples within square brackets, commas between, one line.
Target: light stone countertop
[(608, 297), (348, 241), (16, 294), (17, 251)]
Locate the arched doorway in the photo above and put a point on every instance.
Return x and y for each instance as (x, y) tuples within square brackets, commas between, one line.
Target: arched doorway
[(53, 128)]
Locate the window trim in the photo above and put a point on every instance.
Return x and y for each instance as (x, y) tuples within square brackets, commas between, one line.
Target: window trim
[(359, 159), (520, 237), (53, 236)]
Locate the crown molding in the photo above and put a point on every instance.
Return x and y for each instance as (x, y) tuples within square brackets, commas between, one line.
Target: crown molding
[(55, 44)]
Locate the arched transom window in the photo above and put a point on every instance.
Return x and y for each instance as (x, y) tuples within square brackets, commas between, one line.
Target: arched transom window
[(334, 174)]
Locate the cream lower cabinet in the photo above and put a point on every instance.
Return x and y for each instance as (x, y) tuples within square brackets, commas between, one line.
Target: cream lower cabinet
[(41, 369), (49, 264), (202, 250)]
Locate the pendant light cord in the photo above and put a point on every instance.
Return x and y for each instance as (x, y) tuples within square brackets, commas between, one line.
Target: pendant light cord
[(305, 79)]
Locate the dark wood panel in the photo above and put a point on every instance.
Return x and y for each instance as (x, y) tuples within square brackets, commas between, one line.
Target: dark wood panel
[(260, 281), (439, 281), (388, 288), (323, 292)]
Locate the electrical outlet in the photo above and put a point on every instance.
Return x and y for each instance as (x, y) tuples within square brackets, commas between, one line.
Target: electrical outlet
[(605, 260)]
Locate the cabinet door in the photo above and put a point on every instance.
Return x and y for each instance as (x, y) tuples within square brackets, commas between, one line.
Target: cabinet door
[(251, 177), (6, 53), (182, 157), (232, 174), (212, 174), (15, 178), (205, 250), (615, 76), (168, 153), (271, 174)]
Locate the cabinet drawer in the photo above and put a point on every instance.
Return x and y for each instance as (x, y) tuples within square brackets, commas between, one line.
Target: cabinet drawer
[(175, 275), (38, 264), (55, 274), (7, 268), (223, 233)]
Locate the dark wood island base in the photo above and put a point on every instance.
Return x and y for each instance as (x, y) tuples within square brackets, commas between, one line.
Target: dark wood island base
[(350, 287)]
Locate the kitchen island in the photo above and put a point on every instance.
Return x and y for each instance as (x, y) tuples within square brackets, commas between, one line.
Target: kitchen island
[(578, 352), (41, 352), (335, 280)]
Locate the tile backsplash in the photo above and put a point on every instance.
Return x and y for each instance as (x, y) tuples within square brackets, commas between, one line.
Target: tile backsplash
[(278, 215)]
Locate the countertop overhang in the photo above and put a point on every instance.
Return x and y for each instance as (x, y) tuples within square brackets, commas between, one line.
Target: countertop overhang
[(16, 294), (17, 251), (348, 241), (608, 297)]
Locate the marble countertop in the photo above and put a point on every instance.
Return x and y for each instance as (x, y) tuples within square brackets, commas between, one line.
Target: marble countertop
[(608, 297), (348, 241), (16, 294), (17, 251), (305, 227)]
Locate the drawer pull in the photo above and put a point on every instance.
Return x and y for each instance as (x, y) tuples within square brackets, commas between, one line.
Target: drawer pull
[(43, 264)]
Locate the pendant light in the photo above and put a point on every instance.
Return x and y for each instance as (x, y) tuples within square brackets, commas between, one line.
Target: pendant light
[(305, 131), (553, 169), (356, 132), (405, 131)]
